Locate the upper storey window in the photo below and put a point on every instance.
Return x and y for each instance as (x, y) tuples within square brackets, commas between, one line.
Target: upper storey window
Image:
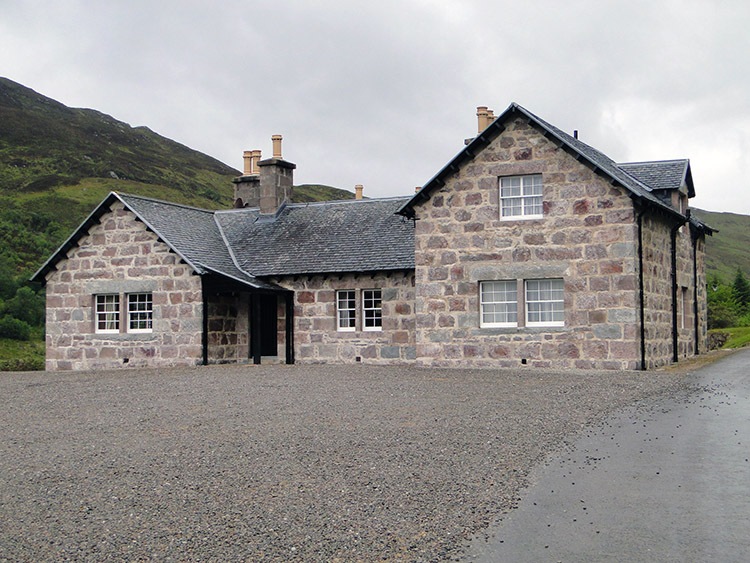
[(521, 197)]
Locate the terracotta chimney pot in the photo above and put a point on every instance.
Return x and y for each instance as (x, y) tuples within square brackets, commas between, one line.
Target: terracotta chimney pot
[(247, 159), (276, 146), (255, 156), (358, 191), (482, 118)]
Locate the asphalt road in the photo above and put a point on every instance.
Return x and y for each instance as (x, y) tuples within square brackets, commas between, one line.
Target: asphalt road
[(665, 481)]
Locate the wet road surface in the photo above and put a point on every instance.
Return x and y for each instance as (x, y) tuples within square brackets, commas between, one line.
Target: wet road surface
[(667, 481)]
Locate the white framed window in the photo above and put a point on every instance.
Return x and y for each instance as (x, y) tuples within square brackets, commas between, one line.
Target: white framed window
[(140, 312), (498, 303), (372, 310), (545, 303), (107, 313), (521, 197), (346, 310)]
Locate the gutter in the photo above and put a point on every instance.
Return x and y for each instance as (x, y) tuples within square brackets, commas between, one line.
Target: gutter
[(673, 244)]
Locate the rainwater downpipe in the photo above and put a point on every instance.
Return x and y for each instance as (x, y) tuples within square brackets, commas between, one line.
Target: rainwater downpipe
[(641, 291), (695, 291), (675, 334)]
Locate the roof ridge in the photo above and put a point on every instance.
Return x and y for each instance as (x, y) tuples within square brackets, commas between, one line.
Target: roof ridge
[(653, 161), (229, 247), (164, 202), (349, 201)]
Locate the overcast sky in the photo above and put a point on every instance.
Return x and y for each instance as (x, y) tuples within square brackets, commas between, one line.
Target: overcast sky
[(384, 93)]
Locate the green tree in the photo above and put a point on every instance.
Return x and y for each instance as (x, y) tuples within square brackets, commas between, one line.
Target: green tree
[(741, 291), (26, 306), (14, 329), (723, 309)]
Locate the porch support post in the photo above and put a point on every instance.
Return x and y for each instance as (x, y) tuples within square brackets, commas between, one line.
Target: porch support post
[(204, 334), (255, 347), (289, 339)]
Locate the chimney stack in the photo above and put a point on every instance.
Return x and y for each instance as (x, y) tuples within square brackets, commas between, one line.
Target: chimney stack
[(247, 186), (358, 191), (276, 180), (266, 184)]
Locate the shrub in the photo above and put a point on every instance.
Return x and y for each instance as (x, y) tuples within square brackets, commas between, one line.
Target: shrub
[(14, 329), (26, 306)]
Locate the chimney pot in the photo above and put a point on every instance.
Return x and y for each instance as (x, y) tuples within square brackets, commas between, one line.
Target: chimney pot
[(276, 146), (416, 190), (255, 156), (482, 118), (358, 191), (247, 159)]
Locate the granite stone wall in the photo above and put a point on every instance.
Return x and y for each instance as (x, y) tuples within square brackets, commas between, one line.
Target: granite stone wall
[(316, 338), (120, 256), (228, 328), (657, 270), (587, 237)]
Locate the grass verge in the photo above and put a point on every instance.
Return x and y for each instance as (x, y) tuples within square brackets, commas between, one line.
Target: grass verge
[(21, 355)]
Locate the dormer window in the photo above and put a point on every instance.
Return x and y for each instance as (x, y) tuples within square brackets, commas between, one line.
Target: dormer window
[(521, 197)]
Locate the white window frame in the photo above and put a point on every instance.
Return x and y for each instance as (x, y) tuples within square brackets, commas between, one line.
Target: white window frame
[(498, 294), (526, 192), (140, 310), (346, 310), (372, 310), (554, 304), (107, 311)]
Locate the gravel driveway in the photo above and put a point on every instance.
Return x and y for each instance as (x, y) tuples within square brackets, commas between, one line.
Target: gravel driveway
[(281, 463)]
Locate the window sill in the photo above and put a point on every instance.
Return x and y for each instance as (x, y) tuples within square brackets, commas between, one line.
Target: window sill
[(521, 218), (518, 330), (144, 336)]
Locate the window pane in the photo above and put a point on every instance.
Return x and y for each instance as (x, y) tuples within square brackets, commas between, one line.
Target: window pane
[(140, 312), (545, 302), (108, 313), (372, 309), (521, 195), (345, 309), (499, 303)]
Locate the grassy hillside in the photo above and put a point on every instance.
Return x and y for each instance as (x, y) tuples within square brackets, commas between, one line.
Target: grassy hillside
[(730, 247), (57, 163)]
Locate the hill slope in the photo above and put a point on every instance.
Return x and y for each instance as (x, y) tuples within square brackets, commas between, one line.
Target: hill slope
[(57, 163), (730, 247)]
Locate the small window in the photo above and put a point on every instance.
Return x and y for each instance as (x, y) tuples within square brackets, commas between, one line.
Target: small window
[(499, 303), (521, 197), (372, 310), (140, 312), (545, 303), (346, 310), (108, 313)]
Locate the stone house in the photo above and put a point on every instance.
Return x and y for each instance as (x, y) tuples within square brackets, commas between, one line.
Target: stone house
[(528, 248)]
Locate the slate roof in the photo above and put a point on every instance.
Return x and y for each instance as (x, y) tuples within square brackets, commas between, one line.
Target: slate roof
[(329, 237), (193, 234), (595, 159), (662, 174), (323, 237)]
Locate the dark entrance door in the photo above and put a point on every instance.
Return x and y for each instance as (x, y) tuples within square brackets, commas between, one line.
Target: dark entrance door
[(268, 326), (263, 326)]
